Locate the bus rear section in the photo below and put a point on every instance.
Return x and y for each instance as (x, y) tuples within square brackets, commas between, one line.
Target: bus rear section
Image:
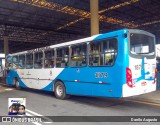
[(141, 69)]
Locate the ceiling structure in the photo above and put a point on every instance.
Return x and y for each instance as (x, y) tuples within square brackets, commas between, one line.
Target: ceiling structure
[(37, 23)]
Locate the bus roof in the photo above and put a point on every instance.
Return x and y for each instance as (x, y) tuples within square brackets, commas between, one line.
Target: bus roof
[(94, 37)]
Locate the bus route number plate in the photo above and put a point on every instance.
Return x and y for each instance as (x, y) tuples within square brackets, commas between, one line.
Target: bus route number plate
[(101, 75)]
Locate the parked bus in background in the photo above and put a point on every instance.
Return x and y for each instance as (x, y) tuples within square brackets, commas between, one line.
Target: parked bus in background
[(2, 66), (116, 64)]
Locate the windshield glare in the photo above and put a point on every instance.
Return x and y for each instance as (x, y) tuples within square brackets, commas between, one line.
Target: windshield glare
[(141, 44)]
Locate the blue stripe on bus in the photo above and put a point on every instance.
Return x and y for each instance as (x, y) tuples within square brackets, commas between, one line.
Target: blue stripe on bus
[(13, 74)]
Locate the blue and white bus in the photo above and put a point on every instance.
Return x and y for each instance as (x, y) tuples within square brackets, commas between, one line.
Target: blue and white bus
[(116, 64)]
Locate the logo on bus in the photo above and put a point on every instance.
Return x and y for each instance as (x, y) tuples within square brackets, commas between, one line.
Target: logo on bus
[(101, 74)]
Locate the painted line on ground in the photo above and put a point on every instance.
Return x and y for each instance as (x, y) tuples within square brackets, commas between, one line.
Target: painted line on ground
[(8, 89), (2, 90), (34, 113), (143, 102)]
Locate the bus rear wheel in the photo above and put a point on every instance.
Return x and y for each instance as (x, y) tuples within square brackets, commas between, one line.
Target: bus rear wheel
[(60, 90), (16, 82)]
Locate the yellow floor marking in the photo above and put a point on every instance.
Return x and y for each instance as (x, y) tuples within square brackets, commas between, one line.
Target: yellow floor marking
[(5, 89), (142, 102)]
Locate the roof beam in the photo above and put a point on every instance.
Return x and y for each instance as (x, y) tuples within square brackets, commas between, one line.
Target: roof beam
[(76, 12), (100, 12)]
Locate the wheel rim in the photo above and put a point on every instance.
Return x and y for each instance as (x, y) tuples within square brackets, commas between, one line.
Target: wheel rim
[(59, 90)]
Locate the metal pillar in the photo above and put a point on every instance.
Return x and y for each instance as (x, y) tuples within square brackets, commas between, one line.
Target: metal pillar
[(6, 46), (94, 17)]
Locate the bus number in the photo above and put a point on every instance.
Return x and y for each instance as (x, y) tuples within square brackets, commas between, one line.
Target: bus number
[(101, 75)]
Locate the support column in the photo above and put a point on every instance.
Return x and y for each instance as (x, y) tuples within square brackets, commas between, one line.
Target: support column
[(6, 46), (94, 17)]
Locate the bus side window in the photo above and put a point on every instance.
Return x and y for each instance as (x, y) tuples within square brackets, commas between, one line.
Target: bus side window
[(29, 61), (15, 62), (38, 60), (62, 57), (94, 55), (110, 51), (103, 52), (22, 61), (78, 55), (49, 59)]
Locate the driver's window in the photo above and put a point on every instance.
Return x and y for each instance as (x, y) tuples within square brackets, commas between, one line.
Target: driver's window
[(15, 62), (9, 62), (22, 61)]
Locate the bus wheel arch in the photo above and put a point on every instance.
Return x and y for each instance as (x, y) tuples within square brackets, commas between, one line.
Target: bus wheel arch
[(16, 83), (60, 90)]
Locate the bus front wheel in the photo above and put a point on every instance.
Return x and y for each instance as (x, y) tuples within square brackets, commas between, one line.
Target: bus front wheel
[(16, 82), (60, 90)]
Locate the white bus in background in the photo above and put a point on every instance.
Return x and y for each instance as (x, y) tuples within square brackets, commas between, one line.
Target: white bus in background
[(2, 65)]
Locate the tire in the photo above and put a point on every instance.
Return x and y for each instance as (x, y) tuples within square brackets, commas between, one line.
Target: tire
[(60, 90), (16, 83)]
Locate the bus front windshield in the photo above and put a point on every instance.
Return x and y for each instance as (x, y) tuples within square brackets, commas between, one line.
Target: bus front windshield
[(141, 44)]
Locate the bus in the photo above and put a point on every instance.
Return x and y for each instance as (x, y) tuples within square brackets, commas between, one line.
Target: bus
[(2, 67), (117, 64)]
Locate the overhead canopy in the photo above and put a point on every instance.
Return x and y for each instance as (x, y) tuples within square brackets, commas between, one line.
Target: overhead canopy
[(36, 23)]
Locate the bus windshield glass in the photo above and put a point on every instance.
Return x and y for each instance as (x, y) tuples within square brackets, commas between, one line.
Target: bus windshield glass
[(141, 44)]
